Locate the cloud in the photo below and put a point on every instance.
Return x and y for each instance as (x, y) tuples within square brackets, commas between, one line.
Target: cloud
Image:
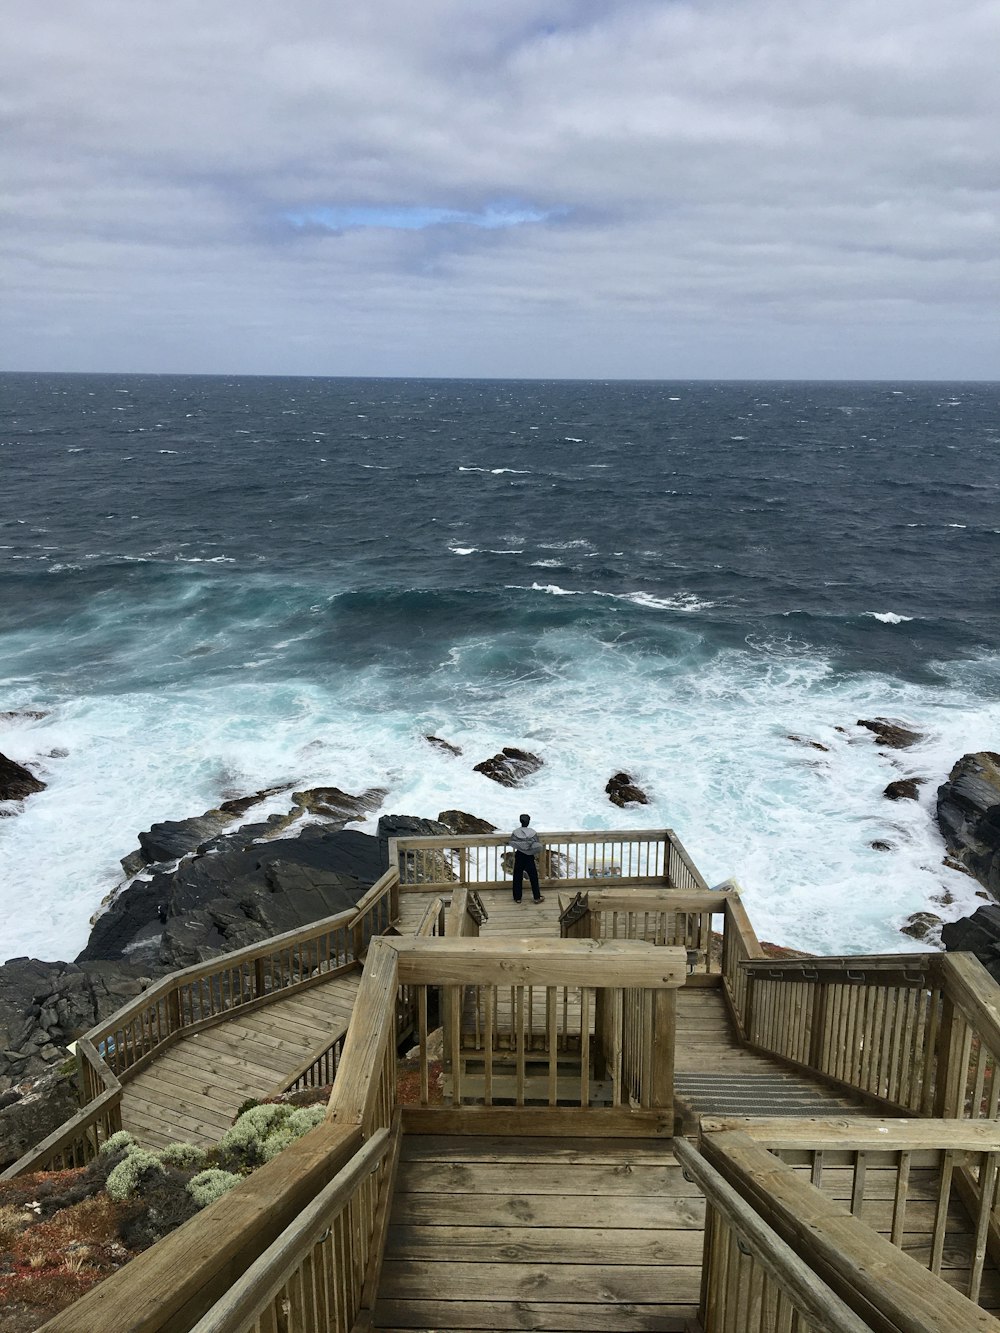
[(413, 217), (543, 187)]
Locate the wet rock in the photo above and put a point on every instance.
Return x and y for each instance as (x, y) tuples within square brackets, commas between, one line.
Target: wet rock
[(880, 845), (622, 791), (510, 767), (904, 789), (813, 745), (922, 926), (23, 715), (443, 745), (968, 814), (239, 805), (457, 821), (890, 733), (337, 804), (16, 782)]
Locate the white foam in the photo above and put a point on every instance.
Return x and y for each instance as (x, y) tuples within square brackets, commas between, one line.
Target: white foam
[(888, 617), (572, 439), (462, 550), (707, 739)]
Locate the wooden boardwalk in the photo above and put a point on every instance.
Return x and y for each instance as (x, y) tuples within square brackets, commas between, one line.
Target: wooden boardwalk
[(192, 1091), (515, 1233)]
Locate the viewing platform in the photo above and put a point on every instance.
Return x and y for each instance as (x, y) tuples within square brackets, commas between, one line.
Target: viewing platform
[(608, 1110)]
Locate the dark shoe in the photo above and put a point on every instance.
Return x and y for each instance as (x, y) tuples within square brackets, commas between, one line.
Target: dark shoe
[(539, 899), (517, 900)]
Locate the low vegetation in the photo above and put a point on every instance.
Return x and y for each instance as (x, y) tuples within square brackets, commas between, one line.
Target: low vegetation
[(62, 1232)]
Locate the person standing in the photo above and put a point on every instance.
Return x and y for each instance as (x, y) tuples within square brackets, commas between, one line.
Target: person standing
[(527, 845)]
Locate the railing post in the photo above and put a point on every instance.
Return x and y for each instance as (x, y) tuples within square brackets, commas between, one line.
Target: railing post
[(945, 1055), (664, 1029), (174, 1023), (748, 1012)]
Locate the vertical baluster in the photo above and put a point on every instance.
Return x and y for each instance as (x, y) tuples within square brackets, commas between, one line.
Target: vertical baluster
[(584, 1046), (552, 1017), (941, 1212), (490, 992), (518, 1018), (617, 1015), (900, 1199), (422, 1041), (984, 1215)]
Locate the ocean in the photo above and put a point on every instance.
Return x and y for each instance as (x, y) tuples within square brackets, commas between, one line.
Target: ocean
[(209, 585)]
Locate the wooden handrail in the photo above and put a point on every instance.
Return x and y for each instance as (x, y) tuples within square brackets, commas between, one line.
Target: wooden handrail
[(808, 1294), (160, 1014), (256, 1288), (867, 1271)]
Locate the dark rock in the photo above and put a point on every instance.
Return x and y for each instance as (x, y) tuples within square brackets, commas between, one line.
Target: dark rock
[(271, 887), (978, 934), (622, 791), (133, 863), (173, 838), (922, 926), (31, 1116), (443, 745), (893, 734), (23, 715), (510, 767), (813, 745), (16, 782), (968, 814), (337, 804), (880, 845), (457, 821), (904, 789), (239, 805), (406, 826)]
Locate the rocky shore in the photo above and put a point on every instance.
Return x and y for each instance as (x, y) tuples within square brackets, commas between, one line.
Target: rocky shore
[(199, 887)]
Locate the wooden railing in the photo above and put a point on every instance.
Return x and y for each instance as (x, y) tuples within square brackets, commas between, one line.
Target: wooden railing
[(680, 919), (751, 1279), (541, 1031), (571, 859), (917, 1033), (198, 997), (313, 1277), (873, 1208)]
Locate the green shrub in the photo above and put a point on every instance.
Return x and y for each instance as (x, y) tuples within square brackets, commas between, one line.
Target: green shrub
[(128, 1176), (186, 1155), (122, 1141), (207, 1186)]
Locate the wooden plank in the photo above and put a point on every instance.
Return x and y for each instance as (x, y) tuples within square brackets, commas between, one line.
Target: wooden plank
[(635, 1212), (616, 1122), (581, 1283), (559, 1317), (539, 962), (494, 1178), (861, 1133), (494, 1148), (542, 1245)]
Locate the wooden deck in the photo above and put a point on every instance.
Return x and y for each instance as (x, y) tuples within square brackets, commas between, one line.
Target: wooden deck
[(192, 1091), (515, 1233)]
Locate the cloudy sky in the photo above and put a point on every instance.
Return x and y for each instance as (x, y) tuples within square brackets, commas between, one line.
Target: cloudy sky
[(633, 188)]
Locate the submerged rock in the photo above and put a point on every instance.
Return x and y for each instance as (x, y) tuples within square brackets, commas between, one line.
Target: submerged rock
[(904, 789), (813, 745), (891, 733), (337, 804), (16, 782), (510, 767), (443, 745), (622, 791), (923, 926)]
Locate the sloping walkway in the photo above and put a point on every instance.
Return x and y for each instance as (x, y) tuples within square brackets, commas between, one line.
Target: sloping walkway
[(192, 1091), (515, 1233)]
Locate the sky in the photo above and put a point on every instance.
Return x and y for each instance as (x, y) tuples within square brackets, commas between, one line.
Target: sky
[(509, 188)]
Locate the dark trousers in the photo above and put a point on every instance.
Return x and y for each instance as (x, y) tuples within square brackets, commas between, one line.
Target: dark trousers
[(524, 863)]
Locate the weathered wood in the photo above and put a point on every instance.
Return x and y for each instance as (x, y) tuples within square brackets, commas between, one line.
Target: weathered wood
[(614, 1121), (811, 1297), (507, 961), (247, 1297), (369, 1032), (856, 1261)]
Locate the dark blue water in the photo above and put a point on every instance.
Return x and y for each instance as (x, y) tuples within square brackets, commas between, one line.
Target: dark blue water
[(605, 570)]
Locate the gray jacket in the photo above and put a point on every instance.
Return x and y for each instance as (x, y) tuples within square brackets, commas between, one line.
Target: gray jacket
[(525, 840)]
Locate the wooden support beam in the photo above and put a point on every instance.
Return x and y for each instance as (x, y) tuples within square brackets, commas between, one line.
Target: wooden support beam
[(503, 960)]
